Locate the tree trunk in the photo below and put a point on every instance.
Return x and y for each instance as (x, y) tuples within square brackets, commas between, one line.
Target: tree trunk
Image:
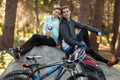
[(116, 29), (117, 45), (83, 12), (7, 38), (36, 19), (97, 21), (62, 3)]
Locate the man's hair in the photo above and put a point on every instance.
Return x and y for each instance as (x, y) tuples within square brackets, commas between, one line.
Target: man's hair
[(64, 7)]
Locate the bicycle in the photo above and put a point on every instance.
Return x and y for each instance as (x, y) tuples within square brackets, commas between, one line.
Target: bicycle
[(90, 67), (69, 64)]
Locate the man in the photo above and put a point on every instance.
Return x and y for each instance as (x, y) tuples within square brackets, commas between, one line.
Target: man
[(68, 38)]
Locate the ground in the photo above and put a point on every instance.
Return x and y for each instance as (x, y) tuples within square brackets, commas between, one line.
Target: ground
[(103, 50)]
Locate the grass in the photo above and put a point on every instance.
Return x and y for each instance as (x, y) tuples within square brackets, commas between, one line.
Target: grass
[(8, 59)]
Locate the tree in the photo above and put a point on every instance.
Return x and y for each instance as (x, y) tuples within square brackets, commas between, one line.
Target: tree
[(7, 38), (37, 18), (63, 3), (97, 21), (117, 45), (116, 29), (83, 12)]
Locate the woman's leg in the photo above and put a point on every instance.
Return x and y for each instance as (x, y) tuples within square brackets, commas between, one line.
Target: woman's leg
[(41, 40), (37, 40), (31, 41)]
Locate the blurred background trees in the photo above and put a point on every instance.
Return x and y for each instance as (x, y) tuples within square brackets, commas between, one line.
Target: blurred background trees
[(26, 17)]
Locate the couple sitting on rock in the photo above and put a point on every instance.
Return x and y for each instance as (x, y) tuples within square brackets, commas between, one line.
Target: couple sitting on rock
[(61, 28)]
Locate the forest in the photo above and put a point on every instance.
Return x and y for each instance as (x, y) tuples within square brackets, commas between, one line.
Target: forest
[(20, 19)]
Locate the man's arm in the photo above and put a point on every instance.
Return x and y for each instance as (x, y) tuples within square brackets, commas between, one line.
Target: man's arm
[(83, 26), (64, 31)]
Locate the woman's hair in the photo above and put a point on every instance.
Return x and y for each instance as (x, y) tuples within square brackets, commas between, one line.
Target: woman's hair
[(57, 8)]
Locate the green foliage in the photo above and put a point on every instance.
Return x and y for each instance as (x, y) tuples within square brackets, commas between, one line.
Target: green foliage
[(18, 41), (2, 61), (25, 21), (1, 2), (104, 40), (0, 29)]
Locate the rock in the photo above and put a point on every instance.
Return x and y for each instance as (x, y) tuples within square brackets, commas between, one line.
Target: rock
[(50, 54), (111, 73)]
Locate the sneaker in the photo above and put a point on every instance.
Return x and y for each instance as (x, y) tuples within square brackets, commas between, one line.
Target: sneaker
[(114, 61), (14, 53), (17, 49)]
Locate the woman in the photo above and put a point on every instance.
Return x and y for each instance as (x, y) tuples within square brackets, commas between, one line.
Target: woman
[(50, 37)]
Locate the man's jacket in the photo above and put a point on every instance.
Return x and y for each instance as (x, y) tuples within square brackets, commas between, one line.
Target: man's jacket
[(67, 31)]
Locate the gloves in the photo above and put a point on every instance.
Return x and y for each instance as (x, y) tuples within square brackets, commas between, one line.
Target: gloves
[(99, 33), (82, 44)]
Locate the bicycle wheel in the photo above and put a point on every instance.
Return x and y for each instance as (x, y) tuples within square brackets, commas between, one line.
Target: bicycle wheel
[(13, 78), (81, 76), (18, 75), (102, 75)]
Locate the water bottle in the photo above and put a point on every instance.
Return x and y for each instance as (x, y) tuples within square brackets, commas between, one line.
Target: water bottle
[(99, 37), (49, 28)]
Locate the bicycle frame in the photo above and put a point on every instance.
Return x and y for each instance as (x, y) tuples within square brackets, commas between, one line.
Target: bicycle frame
[(51, 71), (60, 68)]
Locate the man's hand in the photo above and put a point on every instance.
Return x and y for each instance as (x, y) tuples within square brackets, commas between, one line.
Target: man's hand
[(82, 44), (99, 33)]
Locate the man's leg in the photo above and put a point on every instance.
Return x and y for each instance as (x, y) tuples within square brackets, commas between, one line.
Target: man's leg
[(83, 35), (96, 56)]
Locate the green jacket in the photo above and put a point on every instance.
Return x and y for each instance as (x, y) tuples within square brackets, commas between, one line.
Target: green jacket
[(52, 24)]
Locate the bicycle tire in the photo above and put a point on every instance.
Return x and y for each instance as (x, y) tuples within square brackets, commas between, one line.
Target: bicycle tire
[(102, 75), (18, 75), (78, 76), (13, 78)]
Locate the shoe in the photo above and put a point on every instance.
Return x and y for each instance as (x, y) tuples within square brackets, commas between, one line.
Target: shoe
[(114, 61), (17, 49), (14, 53)]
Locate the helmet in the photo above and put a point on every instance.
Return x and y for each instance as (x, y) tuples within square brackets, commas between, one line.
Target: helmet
[(79, 54)]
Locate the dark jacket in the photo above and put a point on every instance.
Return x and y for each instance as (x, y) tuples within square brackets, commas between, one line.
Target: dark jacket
[(67, 31)]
